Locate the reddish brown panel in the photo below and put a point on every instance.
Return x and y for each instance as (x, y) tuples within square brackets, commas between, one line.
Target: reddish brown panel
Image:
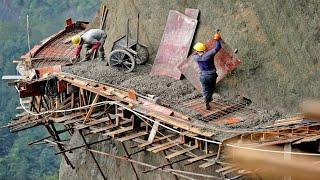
[(175, 45), (32, 51), (226, 61), (31, 89), (62, 86), (45, 71)]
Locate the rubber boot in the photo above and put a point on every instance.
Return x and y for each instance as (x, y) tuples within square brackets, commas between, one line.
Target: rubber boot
[(207, 106)]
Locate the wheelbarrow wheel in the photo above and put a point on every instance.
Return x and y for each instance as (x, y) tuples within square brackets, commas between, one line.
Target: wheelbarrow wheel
[(142, 54), (122, 60)]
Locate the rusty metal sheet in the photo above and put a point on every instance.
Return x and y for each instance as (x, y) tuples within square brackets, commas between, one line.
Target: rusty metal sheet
[(226, 61), (62, 86), (56, 49), (175, 45), (44, 71), (31, 89)]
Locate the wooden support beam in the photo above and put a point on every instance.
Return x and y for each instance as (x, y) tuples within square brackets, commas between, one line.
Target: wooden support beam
[(178, 153), (118, 131), (199, 158), (224, 169), (161, 145), (153, 131), (210, 162), (98, 130), (66, 117), (132, 136), (91, 123), (156, 140), (167, 147), (167, 164), (95, 100)]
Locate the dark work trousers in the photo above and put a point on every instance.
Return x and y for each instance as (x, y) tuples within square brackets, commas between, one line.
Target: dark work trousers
[(208, 82)]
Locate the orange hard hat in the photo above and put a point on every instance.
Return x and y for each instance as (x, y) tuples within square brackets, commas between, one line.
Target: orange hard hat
[(217, 36)]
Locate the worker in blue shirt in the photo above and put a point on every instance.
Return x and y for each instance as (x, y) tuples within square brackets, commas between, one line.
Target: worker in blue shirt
[(208, 75)]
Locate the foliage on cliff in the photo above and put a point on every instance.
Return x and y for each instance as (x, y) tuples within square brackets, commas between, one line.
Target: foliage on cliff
[(17, 159)]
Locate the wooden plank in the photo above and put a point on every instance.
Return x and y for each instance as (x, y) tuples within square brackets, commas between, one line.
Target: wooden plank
[(224, 169), (186, 125), (178, 153), (109, 127), (118, 131), (156, 140), (208, 164), (95, 100), (308, 139), (91, 123), (199, 158), (160, 146), (230, 171), (132, 136), (72, 121), (275, 142), (167, 147), (153, 131), (66, 117)]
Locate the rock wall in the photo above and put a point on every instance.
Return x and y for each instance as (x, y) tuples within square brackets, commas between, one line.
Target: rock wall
[(278, 42)]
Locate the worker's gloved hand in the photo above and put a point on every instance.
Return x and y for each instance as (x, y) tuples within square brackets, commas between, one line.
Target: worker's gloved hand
[(217, 36), (89, 52), (75, 59)]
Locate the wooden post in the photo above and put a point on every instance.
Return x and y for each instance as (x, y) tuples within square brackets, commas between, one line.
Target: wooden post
[(153, 131), (96, 98), (287, 156)]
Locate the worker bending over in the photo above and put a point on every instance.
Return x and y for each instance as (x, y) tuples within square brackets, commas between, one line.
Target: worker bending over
[(208, 75), (93, 40)]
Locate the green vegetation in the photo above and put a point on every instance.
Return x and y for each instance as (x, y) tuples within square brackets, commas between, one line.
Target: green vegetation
[(17, 159)]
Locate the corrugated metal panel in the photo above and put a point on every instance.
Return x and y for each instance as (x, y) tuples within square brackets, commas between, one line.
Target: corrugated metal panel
[(226, 61), (175, 45)]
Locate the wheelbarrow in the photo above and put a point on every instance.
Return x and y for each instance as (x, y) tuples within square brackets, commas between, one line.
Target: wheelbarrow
[(126, 52)]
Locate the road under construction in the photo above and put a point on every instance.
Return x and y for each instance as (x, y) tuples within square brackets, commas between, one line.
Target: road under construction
[(90, 98)]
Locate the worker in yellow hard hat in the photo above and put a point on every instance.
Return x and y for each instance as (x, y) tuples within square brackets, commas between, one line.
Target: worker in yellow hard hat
[(208, 75), (93, 40)]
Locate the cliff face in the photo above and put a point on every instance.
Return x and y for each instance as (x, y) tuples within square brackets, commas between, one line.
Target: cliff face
[(277, 41)]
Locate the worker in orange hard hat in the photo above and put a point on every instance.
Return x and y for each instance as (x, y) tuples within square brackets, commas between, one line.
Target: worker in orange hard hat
[(93, 39), (208, 75)]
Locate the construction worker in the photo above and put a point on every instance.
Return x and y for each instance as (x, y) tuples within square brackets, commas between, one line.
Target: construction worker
[(93, 40), (208, 75)]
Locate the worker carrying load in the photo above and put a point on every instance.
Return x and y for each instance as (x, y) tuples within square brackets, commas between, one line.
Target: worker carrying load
[(93, 40), (207, 67)]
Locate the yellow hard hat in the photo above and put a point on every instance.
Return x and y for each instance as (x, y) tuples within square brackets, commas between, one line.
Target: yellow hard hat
[(76, 40), (200, 47)]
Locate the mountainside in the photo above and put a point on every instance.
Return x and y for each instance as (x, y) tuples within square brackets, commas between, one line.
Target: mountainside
[(17, 159), (277, 41)]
